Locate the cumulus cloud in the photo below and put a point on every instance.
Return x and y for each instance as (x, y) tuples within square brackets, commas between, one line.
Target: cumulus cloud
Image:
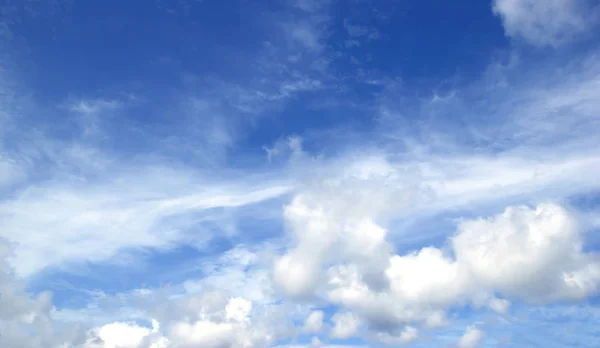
[(203, 333), (544, 23), (337, 227), (407, 335), (341, 253), (314, 322), (22, 314), (535, 255), (238, 309), (542, 261), (471, 338), (345, 325), (229, 307), (340, 212), (295, 275), (125, 335), (209, 320)]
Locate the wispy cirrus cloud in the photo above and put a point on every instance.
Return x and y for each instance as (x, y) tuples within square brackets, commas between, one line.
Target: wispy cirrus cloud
[(85, 223)]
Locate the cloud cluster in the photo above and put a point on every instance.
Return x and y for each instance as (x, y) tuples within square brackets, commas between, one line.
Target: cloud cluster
[(314, 322), (210, 320), (544, 23), (519, 143), (27, 321), (340, 254), (185, 317)]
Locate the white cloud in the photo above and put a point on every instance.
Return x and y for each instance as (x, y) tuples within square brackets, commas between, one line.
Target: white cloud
[(234, 293), (542, 261), (471, 338), (296, 275), (407, 335), (338, 225), (427, 275), (124, 335), (207, 320), (345, 325), (314, 322), (291, 146), (214, 311), (21, 314), (94, 106), (10, 172), (438, 319), (75, 223), (535, 255), (311, 5), (213, 326), (216, 130), (340, 252), (544, 23), (361, 31), (240, 272), (238, 309), (305, 34), (203, 333)]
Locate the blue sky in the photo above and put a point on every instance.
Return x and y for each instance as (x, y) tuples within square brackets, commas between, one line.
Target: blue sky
[(299, 173)]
